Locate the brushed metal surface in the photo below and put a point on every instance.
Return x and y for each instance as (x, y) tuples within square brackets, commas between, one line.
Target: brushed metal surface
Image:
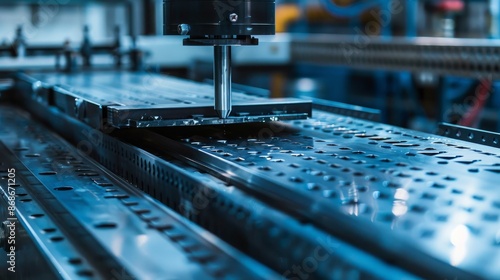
[(387, 188), (141, 100), (113, 229)]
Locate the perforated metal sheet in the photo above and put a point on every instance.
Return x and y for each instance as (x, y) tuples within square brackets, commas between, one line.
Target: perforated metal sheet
[(427, 203), (120, 231), (138, 100), (468, 134), (419, 197), (237, 217)]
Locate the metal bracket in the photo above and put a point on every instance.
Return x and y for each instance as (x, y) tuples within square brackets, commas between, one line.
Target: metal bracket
[(468, 134)]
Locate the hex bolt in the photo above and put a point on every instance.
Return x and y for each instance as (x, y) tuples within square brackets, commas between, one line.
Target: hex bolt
[(233, 17), (183, 29)]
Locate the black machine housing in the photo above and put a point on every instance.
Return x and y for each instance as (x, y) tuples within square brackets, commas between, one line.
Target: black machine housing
[(238, 18)]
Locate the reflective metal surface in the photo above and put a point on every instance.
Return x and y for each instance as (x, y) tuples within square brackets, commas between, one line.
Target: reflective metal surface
[(468, 134), (126, 100), (397, 204), (108, 228), (222, 80), (386, 188), (26, 253), (239, 218), (62, 256)]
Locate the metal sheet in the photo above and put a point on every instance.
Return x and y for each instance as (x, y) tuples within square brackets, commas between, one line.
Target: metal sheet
[(119, 231), (427, 203), (468, 134), (61, 259), (238, 217), (388, 190), (124, 99)]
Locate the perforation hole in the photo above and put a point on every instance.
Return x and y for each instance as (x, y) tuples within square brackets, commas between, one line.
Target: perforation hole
[(490, 217), (48, 230), (427, 233), (105, 225), (36, 216), (478, 197), (313, 187), (56, 238), (418, 209), (65, 188), (32, 155), (296, 179), (75, 261), (47, 173)]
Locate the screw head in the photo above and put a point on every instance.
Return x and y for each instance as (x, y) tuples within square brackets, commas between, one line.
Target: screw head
[(183, 29), (233, 17)]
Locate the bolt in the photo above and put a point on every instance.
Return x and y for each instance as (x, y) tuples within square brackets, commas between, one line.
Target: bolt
[(233, 17), (183, 29)]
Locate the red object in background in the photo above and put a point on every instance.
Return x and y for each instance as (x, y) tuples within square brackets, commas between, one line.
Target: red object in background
[(449, 5), (472, 116)]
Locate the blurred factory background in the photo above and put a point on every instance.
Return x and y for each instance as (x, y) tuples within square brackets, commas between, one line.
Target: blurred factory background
[(417, 99), (360, 142)]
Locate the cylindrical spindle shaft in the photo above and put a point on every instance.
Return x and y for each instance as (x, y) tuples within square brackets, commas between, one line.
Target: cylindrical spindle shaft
[(222, 80)]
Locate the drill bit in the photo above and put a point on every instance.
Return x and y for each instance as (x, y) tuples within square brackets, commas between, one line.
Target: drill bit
[(222, 80)]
